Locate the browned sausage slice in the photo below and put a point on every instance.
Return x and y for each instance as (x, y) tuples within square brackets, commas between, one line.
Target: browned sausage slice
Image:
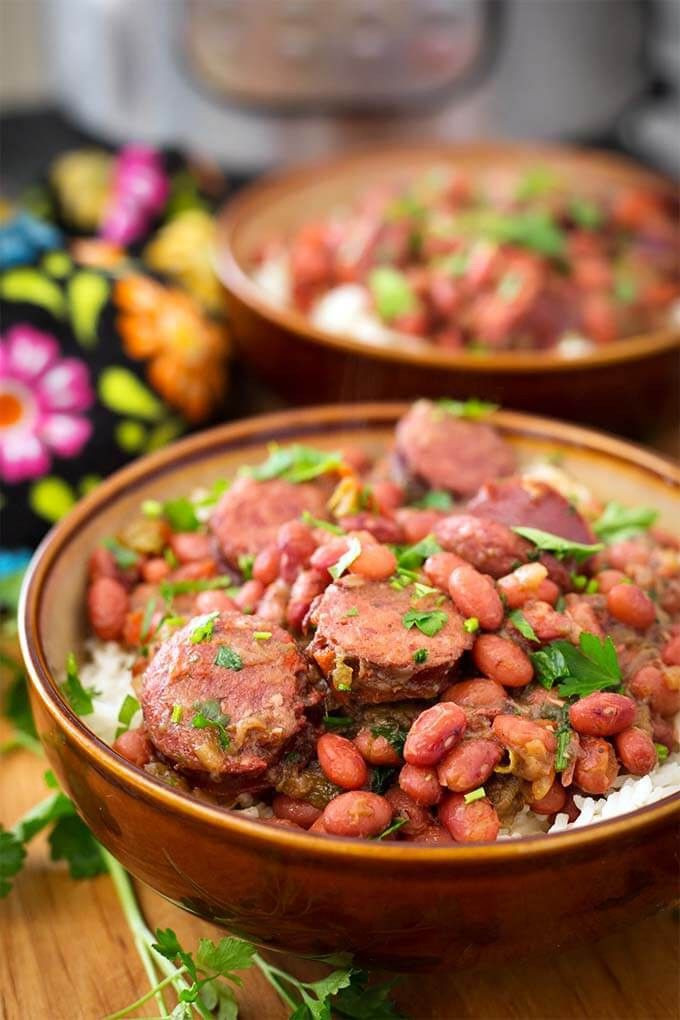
[(530, 504)]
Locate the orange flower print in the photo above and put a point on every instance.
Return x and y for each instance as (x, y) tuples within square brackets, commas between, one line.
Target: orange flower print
[(186, 351)]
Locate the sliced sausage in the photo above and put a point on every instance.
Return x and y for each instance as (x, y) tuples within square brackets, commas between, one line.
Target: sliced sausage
[(527, 503)]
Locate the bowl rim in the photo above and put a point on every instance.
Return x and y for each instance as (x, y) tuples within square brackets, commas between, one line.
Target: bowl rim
[(289, 425), (274, 187)]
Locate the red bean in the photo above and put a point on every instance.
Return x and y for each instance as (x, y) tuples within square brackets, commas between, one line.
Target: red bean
[(481, 697), (102, 564), (533, 744), (376, 750), (434, 835), (388, 496), (421, 784), (107, 605), (476, 822), (249, 595), (280, 823), (552, 802), (403, 806), (662, 732), (306, 587), (195, 571), (189, 546), (135, 746), (670, 653), (341, 761), (650, 684), (502, 660), (155, 570), (298, 811), (622, 554), (474, 594), (439, 566), (602, 714), (631, 605), (606, 579), (546, 622), (356, 457), (211, 601), (583, 617), (358, 813), (328, 553), (296, 544), (416, 524), (382, 529), (522, 584), (469, 765), (433, 733), (272, 605), (596, 767), (636, 750), (266, 565), (318, 827), (374, 562)]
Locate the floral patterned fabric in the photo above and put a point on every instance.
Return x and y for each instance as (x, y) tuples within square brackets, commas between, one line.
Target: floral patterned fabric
[(100, 361)]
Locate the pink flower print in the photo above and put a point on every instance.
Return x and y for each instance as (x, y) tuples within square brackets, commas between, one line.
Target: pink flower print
[(139, 193), (42, 400)]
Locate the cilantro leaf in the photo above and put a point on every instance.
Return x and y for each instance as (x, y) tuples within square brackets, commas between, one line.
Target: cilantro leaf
[(181, 515), (428, 622), (348, 557), (208, 715), (123, 556), (593, 666), (549, 665), (392, 293), (472, 409), (617, 523), (78, 697), (202, 627), (435, 499), (358, 1001), (411, 557), (561, 547), (245, 565), (72, 841), (295, 463), (520, 621), (228, 658), (12, 856)]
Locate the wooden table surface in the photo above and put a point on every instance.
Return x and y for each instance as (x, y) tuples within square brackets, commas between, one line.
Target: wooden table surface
[(66, 952)]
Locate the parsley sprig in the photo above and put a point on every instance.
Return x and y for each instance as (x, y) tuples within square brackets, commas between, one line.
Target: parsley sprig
[(593, 666), (296, 463), (472, 409), (428, 622), (209, 715), (561, 547), (617, 523), (78, 697)]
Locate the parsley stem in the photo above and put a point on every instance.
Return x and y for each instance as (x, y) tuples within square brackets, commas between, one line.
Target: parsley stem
[(269, 972), (21, 740), (152, 993)]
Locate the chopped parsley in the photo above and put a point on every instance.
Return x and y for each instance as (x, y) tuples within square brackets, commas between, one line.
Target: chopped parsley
[(420, 655), (176, 714), (181, 515), (296, 463), (262, 635), (421, 590), (435, 499), (471, 624), (593, 666), (123, 556), (561, 547), (661, 751), (411, 557), (352, 611), (382, 777), (336, 722), (316, 522), (127, 712), (203, 627), (392, 827), (617, 523), (563, 739), (392, 293), (474, 795), (392, 733), (208, 715), (519, 620), (585, 213), (228, 658), (473, 409), (245, 565), (352, 553), (170, 558), (428, 622), (78, 697)]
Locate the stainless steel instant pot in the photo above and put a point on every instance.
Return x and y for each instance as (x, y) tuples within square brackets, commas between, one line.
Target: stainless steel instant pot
[(263, 82)]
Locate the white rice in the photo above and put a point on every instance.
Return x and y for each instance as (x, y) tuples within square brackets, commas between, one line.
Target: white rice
[(108, 670)]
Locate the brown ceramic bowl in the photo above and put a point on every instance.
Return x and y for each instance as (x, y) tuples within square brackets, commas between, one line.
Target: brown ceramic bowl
[(628, 386), (394, 905)]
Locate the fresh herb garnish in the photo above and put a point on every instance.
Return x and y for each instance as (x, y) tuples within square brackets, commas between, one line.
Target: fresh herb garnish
[(212, 496), (435, 499), (181, 515), (170, 558), (474, 795), (352, 611), (392, 827), (585, 213), (422, 590), (262, 635), (208, 715), (177, 713), (392, 733), (295, 463), (561, 547), (625, 289), (382, 777), (391, 292), (202, 627), (420, 655), (536, 182), (168, 589), (145, 626), (352, 553), (78, 697), (519, 620), (411, 557), (336, 722), (228, 658), (124, 557), (316, 522), (428, 622), (471, 624), (617, 523), (593, 666), (473, 409), (661, 751), (563, 739), (127, 712), (245, 565)]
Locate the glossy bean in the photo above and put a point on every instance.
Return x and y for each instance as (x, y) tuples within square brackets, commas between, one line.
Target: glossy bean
[(358, 813), (403, 806), (522, 584), (107, 606), (434, 732), (478, 697), (476, 822), (416, 524), (296, 544), (651, 684), (602, 714), (249, 595), (474, 594), (266, 565), (606, 579), (102, 564), (552, 802), (547, 623), (631, 605), (328, 553), (135, 746), (298, 811), (211, 601), (421, 784), (502, 660), (388, 496), (468, 765), (439, 566), (189, 546), (272, 605), (376, 750), (596, 767), (434, 835), (307, 585), (155, 570), (374, 562), (636, 750), (622, 554), (341, 761), (670, 653)]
